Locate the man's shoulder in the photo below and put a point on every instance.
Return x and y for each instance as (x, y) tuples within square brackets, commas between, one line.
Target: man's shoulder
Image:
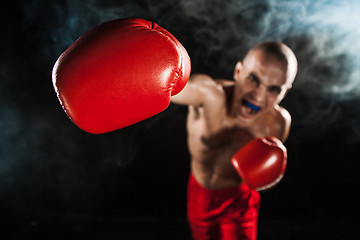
[(275, 123), (282, 115), (200, 77), (282, 119), (225, 83)]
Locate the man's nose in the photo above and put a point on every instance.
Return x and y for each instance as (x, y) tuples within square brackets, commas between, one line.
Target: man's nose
[(260, 93)]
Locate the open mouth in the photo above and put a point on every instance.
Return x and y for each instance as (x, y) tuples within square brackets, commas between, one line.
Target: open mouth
[(249, 109)]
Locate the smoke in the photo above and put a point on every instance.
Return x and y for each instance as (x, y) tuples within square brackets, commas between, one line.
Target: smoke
[(323, 34), (218, 33), (62, 22), (45, 159)]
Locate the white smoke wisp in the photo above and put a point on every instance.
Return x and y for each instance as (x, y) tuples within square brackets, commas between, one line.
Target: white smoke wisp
[(330, 59), (334, 28)]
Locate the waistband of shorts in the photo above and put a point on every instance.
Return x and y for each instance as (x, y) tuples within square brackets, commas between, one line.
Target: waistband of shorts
[(241, 189)]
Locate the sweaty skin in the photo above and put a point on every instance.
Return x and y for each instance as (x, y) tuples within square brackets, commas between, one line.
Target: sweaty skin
[(225, 115)]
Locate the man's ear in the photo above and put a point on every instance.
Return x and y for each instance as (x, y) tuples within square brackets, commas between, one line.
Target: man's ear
[(238, 69)]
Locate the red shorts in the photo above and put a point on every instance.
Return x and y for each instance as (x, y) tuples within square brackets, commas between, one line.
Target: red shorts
[(222, 214)]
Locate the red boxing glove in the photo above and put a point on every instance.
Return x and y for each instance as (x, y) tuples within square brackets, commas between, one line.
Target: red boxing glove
[(119, 73), (261, 163)]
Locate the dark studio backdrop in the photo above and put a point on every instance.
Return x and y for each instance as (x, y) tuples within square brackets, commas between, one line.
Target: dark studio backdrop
[(58, 182)]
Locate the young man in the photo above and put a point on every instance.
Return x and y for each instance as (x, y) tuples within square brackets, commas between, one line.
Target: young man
[(223, 117)]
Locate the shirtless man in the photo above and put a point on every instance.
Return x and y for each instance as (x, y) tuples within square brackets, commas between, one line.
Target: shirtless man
[(223, 117), (110, 78)]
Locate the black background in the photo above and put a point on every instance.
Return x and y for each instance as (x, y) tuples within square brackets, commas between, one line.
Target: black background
[(58, 182)]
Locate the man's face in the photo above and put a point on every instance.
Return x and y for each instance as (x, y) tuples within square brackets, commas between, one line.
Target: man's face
[(261, 83)]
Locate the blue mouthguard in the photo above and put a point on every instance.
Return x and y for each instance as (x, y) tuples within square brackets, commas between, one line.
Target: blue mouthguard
[(252, 106)]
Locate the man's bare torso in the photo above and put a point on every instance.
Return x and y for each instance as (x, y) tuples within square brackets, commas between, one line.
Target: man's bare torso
[(211, 153)]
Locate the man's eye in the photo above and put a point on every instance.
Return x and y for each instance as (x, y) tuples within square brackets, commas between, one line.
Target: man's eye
[(274, 90), (253, 79)]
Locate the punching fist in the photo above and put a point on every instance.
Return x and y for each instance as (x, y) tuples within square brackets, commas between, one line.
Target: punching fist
[(119, 73), (261, 163)]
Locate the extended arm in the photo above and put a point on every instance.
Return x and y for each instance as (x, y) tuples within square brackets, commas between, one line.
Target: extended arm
[(203, 92)]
